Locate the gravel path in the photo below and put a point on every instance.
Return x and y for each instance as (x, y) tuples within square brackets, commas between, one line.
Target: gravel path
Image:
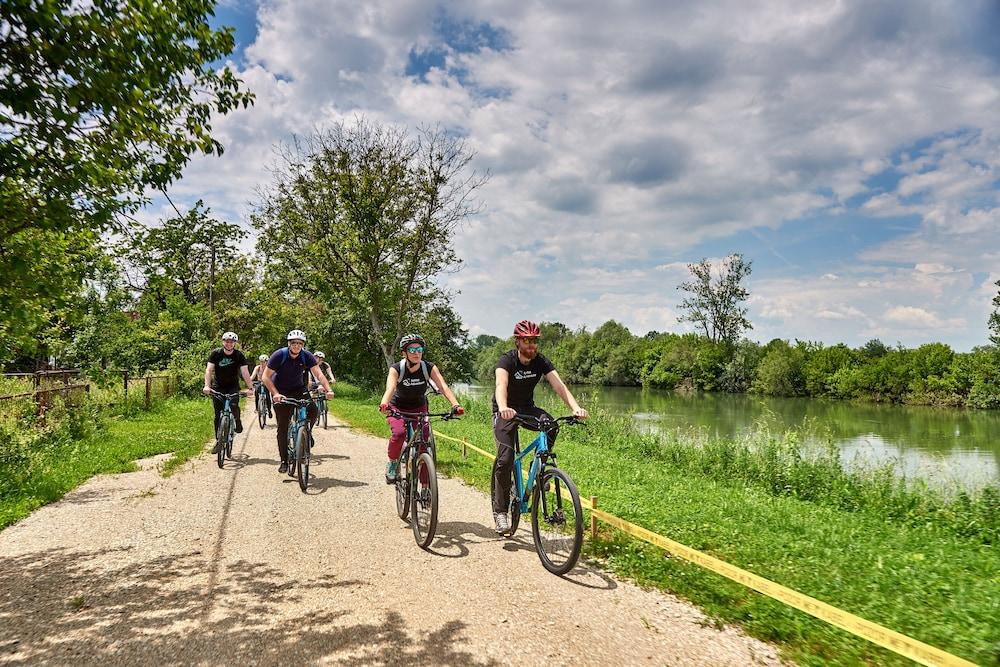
[(237, 566)]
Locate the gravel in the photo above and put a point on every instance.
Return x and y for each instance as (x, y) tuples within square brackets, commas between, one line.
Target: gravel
[(238, 566)]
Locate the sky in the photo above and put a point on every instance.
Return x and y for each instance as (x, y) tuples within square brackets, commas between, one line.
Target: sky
[(849, 149)]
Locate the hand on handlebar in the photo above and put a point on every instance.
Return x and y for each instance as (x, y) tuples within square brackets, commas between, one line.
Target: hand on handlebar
[(457, 410), (580, 413), (383, 407), (507, 413), (207, 391), (277, 398)]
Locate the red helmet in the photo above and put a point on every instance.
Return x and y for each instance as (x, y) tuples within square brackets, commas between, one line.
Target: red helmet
[(526, 328)]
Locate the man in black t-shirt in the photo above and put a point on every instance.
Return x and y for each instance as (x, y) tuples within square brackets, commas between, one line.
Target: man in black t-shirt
[(228, 364), (517, 374)]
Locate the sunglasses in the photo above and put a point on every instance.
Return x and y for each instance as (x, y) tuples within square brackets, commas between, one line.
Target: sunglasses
[(530, 341), (296, 342), (414, 350)]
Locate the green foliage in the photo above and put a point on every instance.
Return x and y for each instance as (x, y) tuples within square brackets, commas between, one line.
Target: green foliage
[(99, 102), (780, 372), (715, 306), (821, 366)]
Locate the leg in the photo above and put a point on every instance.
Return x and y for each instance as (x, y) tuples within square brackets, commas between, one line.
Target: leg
[(283, 415), (217, 405), (505, 434), (397, 428), (234, 405)]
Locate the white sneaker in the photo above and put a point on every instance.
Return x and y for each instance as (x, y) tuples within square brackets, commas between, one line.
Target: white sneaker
[(503, 526)]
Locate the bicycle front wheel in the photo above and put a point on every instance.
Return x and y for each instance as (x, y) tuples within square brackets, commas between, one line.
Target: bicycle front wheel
[(302, 455), (326, 412), (290, 447), (229, 440), (556, 521), (261, 410), (402, 488), (221, 438), (424, 503)]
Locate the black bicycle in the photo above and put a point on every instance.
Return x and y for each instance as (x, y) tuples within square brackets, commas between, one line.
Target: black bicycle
[(549, 494), (226, 433), (416, 480)]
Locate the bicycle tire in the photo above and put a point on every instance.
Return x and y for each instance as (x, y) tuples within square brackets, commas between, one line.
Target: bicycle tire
[(424, 513), (261, 410), (559, 546), (402, 486), (302, 455), (290, 448), (231, 438), (325, 413), (221, 437)]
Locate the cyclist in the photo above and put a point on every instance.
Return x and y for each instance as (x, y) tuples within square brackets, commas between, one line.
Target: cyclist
[(284, 376), (324, 367), (228, 364), (517, 373), (406, 390), (258, 372)]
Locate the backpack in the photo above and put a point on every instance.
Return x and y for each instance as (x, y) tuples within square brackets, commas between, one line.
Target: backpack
[(401, 369)]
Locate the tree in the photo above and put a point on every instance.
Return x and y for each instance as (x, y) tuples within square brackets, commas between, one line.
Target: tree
[(364, 215), (994, 321), (99, 102), (714, 304)]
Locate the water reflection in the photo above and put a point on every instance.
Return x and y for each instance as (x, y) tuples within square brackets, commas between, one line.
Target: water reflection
[(947, 446)]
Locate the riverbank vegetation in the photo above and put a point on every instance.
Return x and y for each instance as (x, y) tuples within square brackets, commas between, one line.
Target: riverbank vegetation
[(932, 374), (907, 558)]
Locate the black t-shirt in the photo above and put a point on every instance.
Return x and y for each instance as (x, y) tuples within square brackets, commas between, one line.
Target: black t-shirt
[(411, 389), (522, 378), (227, 369)]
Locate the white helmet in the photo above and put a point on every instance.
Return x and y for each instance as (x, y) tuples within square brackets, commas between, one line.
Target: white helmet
[(320, 355), (262, 357), (296, 334), (229, 335)]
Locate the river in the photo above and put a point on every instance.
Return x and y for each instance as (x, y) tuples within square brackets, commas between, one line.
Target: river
[(947, 447)]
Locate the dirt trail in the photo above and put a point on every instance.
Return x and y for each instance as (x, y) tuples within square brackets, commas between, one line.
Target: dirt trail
[(237, 566)]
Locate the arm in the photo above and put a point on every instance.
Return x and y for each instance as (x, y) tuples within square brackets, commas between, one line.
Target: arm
[(318, 374), (390, 387), (207, 389), (255, 375), (565, 395), (269, 383), (246, 378), (445, 389), (501, 393), (329, 372)]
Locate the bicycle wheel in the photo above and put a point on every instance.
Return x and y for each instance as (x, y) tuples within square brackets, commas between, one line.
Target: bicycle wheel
[(290, 446), (302, 455), (325, 412), (261, 409), (403, 486), (556, 521), (232, 436), (221, 438), (424, 504)]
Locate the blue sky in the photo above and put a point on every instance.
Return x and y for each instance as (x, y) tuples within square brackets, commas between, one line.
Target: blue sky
[(850, 149)]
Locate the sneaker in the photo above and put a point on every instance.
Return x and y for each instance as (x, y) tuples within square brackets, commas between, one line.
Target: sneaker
[(239, 427), (283, 467), (391, 472), (218, 446), (503, 526)]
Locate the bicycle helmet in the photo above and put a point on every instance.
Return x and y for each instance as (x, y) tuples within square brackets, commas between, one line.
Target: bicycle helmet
[(229, 335), (320, 355), (297, 334), (526, 328), (410, 339), (262, 357)]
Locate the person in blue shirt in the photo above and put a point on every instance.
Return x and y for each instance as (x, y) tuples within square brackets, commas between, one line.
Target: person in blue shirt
[(285, 376)]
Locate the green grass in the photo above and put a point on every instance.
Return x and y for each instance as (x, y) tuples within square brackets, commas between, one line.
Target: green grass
[(845, 544), (40, 464)]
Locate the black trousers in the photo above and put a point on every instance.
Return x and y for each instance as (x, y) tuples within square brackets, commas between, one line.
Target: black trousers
[(505, 434), (283, 417), (234, 405)]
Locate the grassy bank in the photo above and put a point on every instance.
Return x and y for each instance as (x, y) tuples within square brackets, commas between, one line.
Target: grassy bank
[(845, 539), (41, 463)]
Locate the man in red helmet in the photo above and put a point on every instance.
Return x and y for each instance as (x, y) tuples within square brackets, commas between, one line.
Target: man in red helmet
[(517, 373)]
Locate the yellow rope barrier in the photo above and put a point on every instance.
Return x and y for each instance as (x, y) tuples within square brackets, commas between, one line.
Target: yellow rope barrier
[(911, 648)]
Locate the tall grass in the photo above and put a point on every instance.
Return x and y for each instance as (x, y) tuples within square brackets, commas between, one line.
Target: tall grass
[(898, 555)]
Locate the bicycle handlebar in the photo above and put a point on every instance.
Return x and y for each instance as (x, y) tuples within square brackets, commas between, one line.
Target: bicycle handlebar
[(544, 424), (414, 416), (228, 397), (299, 402)]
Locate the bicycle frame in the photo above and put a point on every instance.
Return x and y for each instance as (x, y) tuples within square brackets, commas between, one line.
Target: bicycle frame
[(540, 448)]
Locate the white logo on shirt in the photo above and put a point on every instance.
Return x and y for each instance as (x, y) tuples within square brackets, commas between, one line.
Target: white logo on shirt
[(412, 382), (524, 375)]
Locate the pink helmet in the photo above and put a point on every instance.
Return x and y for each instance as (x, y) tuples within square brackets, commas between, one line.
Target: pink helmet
[(526, 328)]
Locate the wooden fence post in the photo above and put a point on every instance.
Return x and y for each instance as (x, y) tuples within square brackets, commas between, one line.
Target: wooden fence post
[(125, 383), (464, 451), (147, 390), (593, 518)]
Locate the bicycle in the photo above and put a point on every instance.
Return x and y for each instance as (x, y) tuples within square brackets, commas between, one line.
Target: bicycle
[(300, 440), (321, 404), (556, 527), (416, 481), (227, 427), (263, 399)]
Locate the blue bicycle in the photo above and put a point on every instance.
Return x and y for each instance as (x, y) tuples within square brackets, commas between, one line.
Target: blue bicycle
[(263, 399), (226, 432), (550, 495), (300, 439)]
